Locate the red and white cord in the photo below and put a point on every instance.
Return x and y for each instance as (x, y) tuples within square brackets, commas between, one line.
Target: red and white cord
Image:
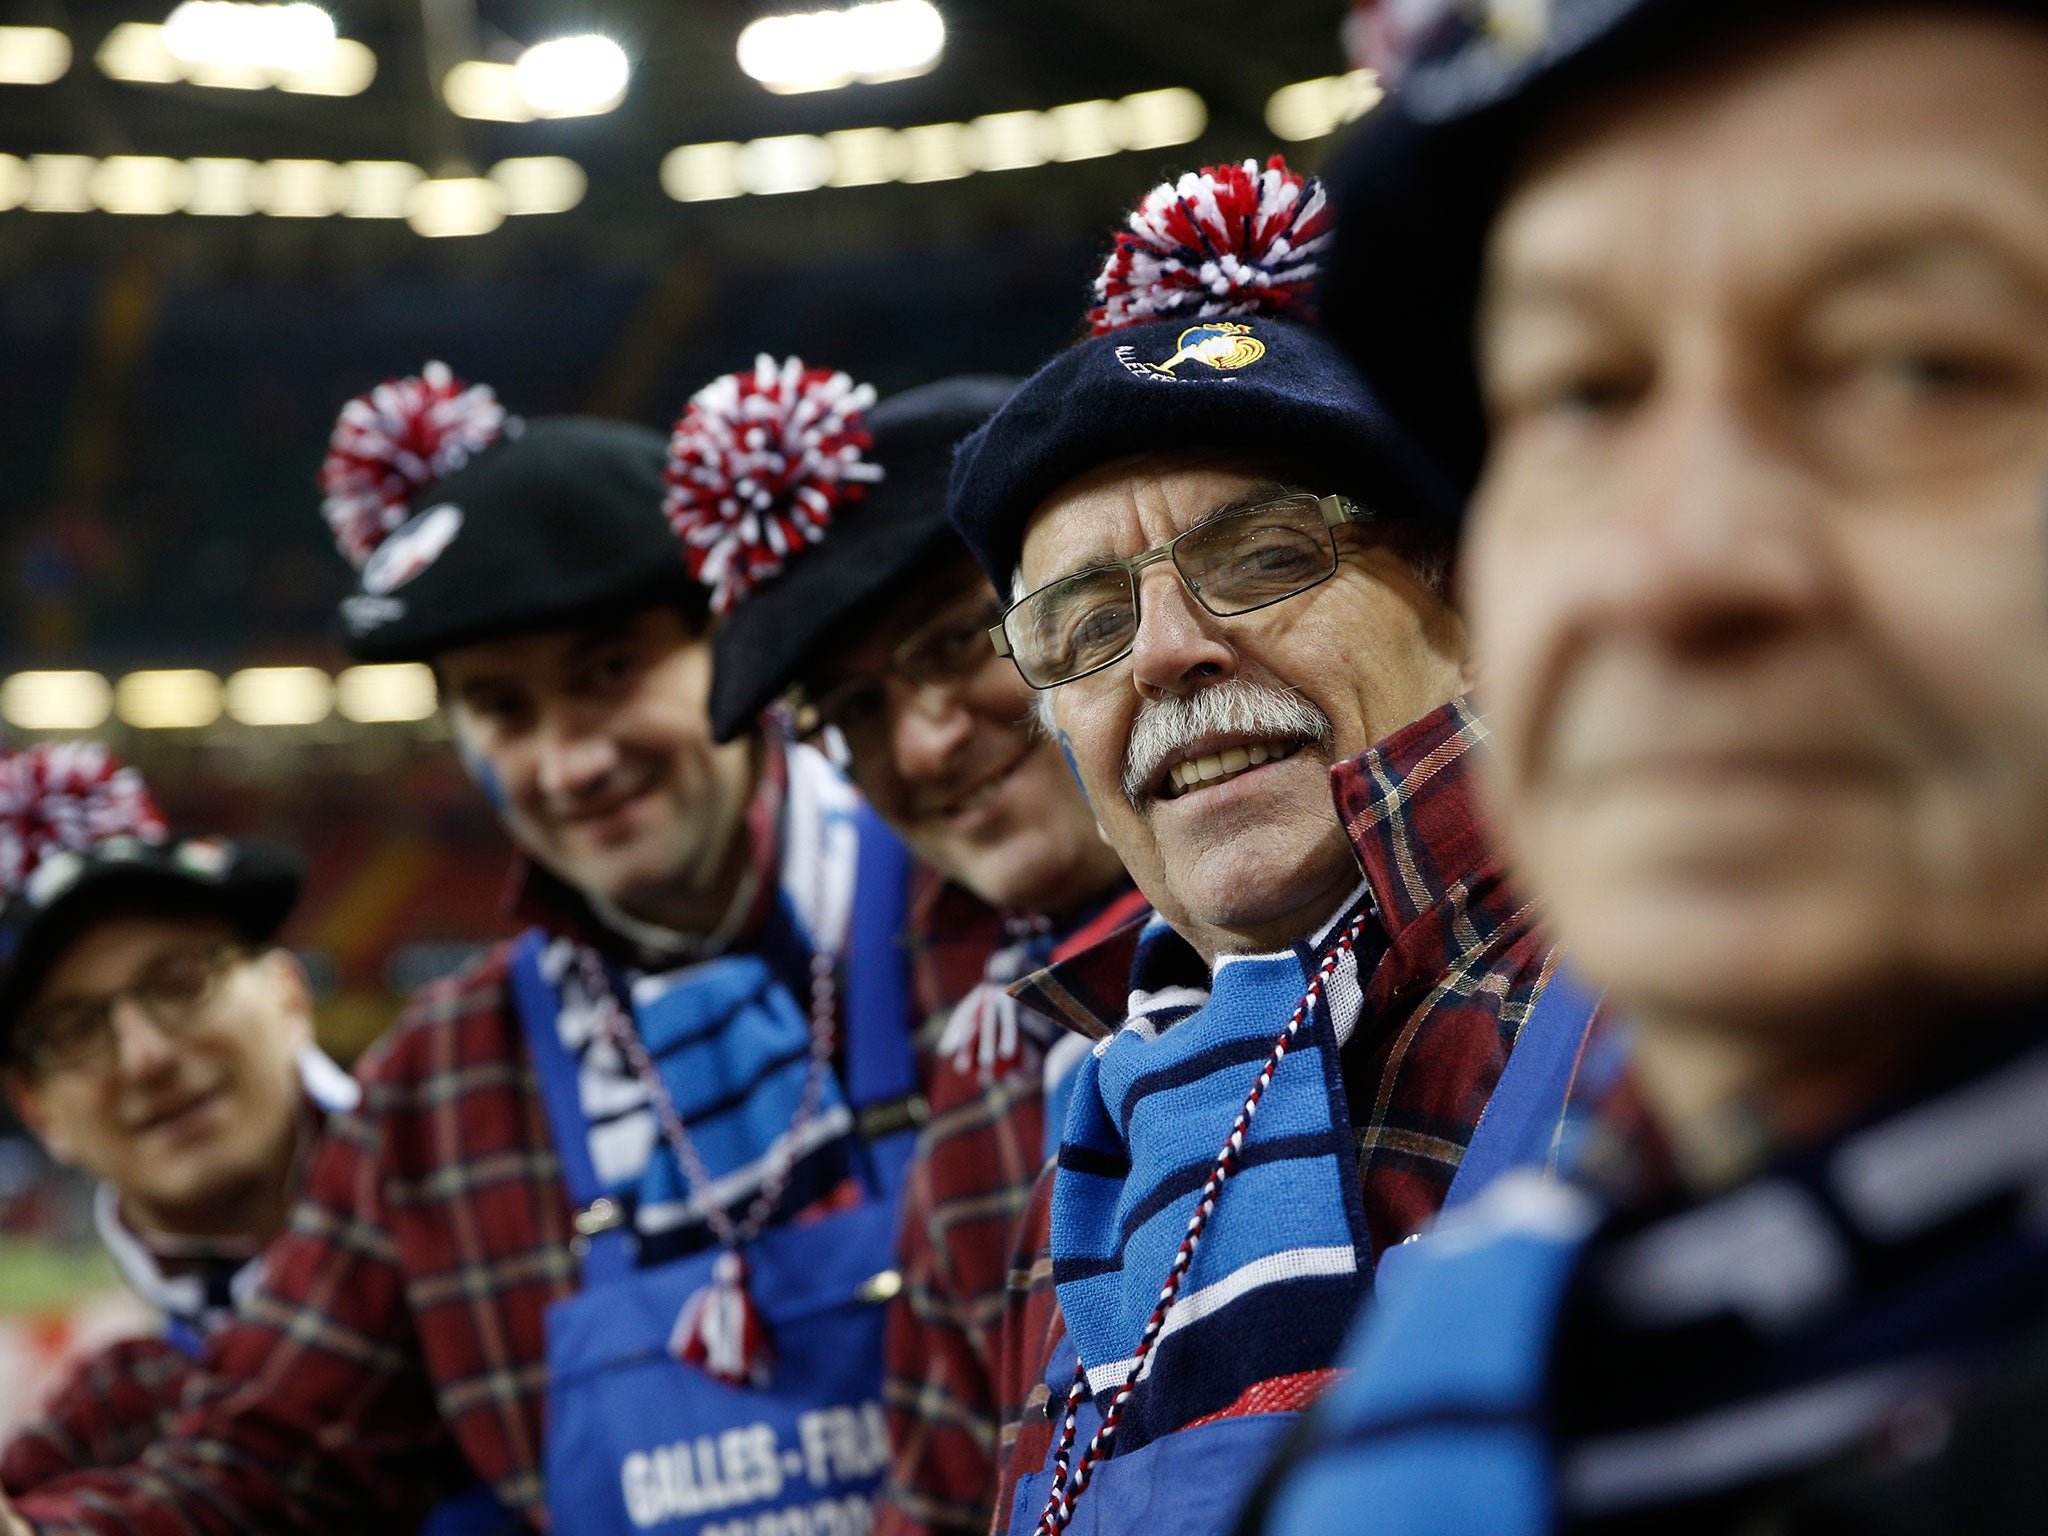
[(1066, 1492)]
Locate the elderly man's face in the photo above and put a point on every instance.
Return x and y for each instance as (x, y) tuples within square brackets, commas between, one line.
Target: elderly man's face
[(1255, 858), (1757, 571)]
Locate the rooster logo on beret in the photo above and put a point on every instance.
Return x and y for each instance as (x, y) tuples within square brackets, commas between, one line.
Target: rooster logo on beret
[(1223, 346)]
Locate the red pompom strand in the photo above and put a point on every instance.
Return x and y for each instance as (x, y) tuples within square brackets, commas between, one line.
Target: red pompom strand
[(394, 442), (758, 465), (67, 796), (1224, 241)]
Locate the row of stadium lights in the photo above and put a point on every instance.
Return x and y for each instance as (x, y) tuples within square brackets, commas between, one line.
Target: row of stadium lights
[(188, 698), (293, 189)]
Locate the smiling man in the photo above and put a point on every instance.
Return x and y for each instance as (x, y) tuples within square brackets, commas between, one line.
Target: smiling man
[(1228, 583), (639, 1167), (880, 630), (157, 1037), (1758, 581)]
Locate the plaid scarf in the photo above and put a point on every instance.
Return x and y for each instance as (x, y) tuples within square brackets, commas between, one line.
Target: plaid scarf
[(1286, 1256)]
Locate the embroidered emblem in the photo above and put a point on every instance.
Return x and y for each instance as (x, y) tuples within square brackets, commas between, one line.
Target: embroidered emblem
[(411, 549), (1223, 345)]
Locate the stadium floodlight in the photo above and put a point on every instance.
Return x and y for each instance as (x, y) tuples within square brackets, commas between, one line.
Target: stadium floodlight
[(572, 76), (246, 45), (176, 698), (455, 205), (822, 50), (540, 183), (55, 701), (146, 184), (1309, 109), (382, 692), (280, 695), (33, 55)]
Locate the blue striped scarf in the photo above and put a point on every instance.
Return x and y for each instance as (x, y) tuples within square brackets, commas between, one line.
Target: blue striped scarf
[(1284, 1260), (732, 1042)]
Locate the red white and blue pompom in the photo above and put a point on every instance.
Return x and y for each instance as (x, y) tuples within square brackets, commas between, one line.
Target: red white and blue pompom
[(67, 796), (759, 464), (1224, 241), (394, 442)]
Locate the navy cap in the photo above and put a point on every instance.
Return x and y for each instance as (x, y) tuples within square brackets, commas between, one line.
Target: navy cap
[(465, 524), (1201, 345), (81, 837), (872, 548), (1417, 187)]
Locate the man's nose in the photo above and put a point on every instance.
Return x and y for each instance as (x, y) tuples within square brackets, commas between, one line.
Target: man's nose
[(927, 728), (142, 1047), (1179, 645), (1722, 542), (575, 755)]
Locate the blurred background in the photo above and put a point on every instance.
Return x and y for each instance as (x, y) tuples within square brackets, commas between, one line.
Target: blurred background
[(219, 220)]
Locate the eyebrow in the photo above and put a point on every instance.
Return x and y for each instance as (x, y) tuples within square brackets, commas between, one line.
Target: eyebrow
[(1257, 496)]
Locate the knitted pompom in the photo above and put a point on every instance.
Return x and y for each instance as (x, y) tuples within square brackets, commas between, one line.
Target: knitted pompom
[(758, 465), (67, 795), (1223, 241), (396, 441)]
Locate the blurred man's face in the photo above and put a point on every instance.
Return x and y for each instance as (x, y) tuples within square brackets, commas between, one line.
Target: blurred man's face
[(595, 745), (954, 761), (183, 1088), (1757, 571), (1252, 857)]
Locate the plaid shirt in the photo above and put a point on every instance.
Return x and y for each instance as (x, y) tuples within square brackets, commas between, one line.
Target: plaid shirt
[(396, 1350), (977, 1159), (1461, 972)]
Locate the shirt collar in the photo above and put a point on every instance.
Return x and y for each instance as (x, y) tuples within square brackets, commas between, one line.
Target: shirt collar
[(1407, 806)]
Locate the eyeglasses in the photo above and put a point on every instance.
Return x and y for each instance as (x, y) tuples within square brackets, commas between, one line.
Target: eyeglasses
[(1231, 564), (941, 653), (78, 1036)]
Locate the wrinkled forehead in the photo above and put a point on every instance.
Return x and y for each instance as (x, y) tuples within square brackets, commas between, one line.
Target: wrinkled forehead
[(1801, 155), (1125, 508)]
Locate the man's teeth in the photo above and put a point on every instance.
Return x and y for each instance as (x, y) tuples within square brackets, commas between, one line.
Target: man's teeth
[(1222, 765)]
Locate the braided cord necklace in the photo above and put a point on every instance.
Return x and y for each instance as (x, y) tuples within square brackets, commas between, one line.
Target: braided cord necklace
[(1070, 1479), (719, 1327)]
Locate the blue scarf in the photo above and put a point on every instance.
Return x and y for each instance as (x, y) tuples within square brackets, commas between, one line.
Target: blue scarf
[(732, 1042), (1285, 1258)]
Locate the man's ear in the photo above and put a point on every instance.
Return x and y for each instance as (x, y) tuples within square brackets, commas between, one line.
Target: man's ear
[(28, 1109), (294, 991)]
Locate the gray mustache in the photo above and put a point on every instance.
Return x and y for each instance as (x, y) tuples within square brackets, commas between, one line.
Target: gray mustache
[(1164, 726)]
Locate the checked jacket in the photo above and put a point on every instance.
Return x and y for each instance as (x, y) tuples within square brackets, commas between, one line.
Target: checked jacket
[(1459, 977), (395, 1353)]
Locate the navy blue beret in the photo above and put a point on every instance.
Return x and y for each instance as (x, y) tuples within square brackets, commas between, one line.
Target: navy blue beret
[(1270, 388), (1200, 345), (1417, 187)]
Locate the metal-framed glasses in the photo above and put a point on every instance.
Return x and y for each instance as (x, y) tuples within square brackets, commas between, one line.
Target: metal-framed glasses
[(943, 652), (77, 1035), (1233, 563)]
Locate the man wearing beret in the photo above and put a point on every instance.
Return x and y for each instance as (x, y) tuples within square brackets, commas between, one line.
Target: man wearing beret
[(880, 633), (156, 1036), (639, 1167), (1758, 583), (1228, 586)]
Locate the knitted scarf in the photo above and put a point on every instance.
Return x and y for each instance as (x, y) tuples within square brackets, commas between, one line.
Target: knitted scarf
[(1285, 1258)]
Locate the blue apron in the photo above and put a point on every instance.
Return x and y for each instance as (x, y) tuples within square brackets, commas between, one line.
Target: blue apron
[(636, 1440), (1190, 1482)]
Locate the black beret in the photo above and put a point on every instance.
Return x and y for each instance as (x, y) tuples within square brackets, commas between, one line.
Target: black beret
[(1417, 187), (873, 545), (540, 529), (1259, 386), (251, 884)]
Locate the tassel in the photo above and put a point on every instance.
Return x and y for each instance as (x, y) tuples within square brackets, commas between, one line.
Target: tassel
[(721, 1331)]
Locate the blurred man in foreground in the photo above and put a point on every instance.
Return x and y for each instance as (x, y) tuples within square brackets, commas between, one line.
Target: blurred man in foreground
[(1228, 585), (1758, 584), (158, 1037), (882, 630)]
